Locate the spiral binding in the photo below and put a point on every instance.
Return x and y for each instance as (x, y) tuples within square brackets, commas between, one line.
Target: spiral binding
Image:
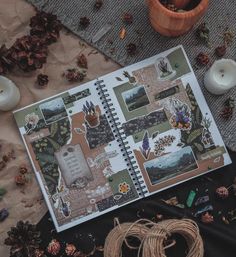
[(120, 138)]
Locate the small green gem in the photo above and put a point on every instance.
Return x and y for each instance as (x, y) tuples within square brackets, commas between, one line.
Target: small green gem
[(136, 137), (37, 158), (176, 65), (70, 111), (110, 179), (190, 199), (209, 167)]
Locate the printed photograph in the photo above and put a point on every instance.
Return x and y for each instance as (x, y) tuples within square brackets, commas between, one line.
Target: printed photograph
[(135, 98), (53, 110), (171, 165)]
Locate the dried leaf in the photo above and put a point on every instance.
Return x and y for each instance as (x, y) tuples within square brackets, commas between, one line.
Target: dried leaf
[(122, 33), (119, 79)]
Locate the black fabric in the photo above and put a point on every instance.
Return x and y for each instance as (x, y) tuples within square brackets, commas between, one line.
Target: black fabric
[(219, 238)]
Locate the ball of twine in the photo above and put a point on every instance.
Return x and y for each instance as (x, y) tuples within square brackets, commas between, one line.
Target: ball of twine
[(153, 237)]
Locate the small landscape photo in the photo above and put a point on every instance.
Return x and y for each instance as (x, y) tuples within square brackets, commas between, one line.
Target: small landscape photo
[(53, 110), (170, 165), (135, 98)]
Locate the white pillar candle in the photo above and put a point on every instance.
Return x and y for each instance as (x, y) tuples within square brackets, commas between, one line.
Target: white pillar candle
[(9, 94), (221, 76)]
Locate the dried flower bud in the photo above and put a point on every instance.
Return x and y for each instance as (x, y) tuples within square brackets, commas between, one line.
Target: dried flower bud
[(98, 4), (202, 59), (20, 180), (70, 249), (220, 51), (82, 61), (203, 33), (23, 170), (127, 18), (39, 253), (84, 22), (222, 192), (74, 75), (54, 247), (207, 218), (131, 49), (42, 80)]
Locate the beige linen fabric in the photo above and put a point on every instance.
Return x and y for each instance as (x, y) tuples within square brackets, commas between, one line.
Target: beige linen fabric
[(26, 202)]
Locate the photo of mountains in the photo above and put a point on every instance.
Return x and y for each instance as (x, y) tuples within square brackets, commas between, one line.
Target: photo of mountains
[(170, 165)]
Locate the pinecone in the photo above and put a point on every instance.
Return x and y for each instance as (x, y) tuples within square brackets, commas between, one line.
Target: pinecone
[(42, 80), (127, 18), (220, 51), (98, 4), (203, 59), (46, 26), (6, 63), (29, 53), (131, 49), (74, 75), (84, 22), (24, 239)]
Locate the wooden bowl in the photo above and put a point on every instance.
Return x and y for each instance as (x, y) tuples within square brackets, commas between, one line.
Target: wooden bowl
[(173, 24)]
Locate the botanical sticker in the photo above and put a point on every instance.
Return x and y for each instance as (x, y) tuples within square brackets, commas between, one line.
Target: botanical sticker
[(181, 119), (124, 188), (145, 148), (31, 122), (91, 115), (162, 143)]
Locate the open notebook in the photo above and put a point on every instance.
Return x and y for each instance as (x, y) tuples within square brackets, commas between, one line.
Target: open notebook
[(127, 135)]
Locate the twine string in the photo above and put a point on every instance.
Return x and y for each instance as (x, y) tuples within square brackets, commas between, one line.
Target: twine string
[(153, 237)]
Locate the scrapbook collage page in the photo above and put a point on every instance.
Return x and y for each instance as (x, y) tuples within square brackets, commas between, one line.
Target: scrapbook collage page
[(75, 155), (166, 120)]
